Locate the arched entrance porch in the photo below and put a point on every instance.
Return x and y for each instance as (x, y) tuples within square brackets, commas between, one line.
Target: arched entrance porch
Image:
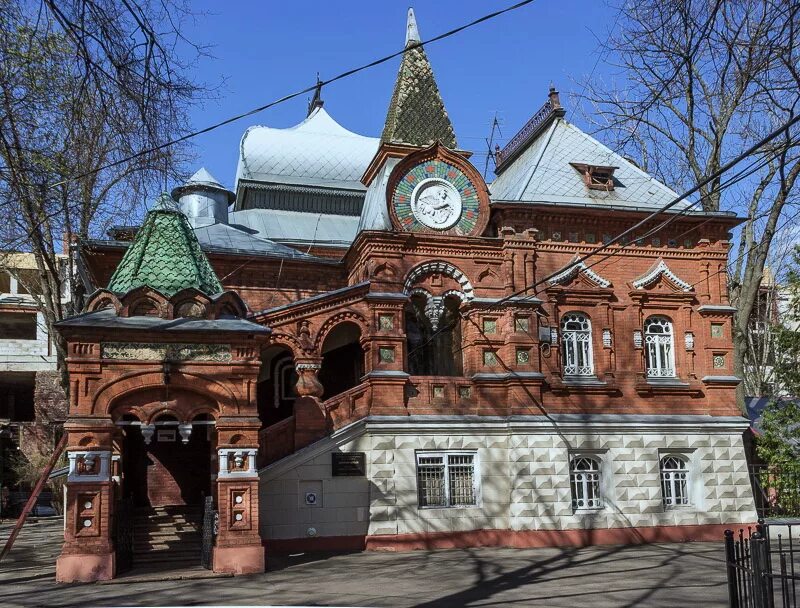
[(168, 463)]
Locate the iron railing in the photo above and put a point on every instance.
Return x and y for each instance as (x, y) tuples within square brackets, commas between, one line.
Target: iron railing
[(776, 490), (761, 565), (123, 534), (209, 532)]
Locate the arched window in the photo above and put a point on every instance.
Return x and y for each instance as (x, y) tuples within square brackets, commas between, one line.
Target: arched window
[(576, 344), (433, 335), (342, 359), (674, 481), (659, 347), (584, 478)]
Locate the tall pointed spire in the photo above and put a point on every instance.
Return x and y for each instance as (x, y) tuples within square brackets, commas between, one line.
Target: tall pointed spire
[(416, 113), (412, 31)]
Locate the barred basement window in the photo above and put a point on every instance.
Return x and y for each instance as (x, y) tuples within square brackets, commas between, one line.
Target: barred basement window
[(659, 346), (576, 344), (674, 481), (446, 479), (584, 478)]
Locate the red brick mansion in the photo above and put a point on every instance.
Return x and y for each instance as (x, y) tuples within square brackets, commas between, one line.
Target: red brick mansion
[(343, 354)]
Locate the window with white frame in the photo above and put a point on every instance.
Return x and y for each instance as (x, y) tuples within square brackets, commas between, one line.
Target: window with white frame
[(447, 479), (659, 347), (675, 481), (584, 479), (576, 344)]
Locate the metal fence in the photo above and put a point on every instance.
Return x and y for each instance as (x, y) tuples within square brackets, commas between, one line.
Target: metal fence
[(762, 565), (776, 490), (209, 532), (123, 534)]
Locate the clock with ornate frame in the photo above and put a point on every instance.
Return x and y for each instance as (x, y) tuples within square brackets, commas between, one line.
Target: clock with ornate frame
[(438, 191)]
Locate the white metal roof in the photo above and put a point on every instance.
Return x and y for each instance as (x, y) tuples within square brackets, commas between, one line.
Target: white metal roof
[(317, 151), (542, 173)]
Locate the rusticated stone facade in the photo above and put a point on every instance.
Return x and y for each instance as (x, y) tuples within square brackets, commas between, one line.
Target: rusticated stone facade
[(524, 483)]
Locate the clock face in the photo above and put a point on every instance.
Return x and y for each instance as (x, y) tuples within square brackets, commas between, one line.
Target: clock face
[(436, 195)]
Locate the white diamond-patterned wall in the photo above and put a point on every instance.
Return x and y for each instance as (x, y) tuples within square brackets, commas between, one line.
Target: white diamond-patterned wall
[(524, 483)]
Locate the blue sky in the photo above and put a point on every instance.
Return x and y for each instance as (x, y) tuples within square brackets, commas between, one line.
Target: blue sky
[(264, 50)]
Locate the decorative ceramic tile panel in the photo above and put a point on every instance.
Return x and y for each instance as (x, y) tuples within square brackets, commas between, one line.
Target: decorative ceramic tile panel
[(142, 351)]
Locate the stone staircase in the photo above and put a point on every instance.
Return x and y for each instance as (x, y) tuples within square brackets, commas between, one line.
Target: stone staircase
[(167, 537)]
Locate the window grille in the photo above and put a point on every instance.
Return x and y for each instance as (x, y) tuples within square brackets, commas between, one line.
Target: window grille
[(576, 344), (584, 477), (674, 481), (446, 479), (659, 347)]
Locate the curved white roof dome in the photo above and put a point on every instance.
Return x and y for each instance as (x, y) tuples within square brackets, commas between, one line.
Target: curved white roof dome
[(318, 151)]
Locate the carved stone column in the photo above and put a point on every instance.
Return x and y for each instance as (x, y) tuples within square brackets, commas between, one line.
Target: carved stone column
[(238, 548), (308, 384), (311, 420), (88, 551)]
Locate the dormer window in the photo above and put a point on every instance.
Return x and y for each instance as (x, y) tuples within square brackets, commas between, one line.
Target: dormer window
[(596, 177)]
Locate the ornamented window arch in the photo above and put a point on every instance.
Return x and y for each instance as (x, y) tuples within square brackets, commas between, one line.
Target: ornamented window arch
[(674, 481), (584, 479), (659, 343), (576, 344)]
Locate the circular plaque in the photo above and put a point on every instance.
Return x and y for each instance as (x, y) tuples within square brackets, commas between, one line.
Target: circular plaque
[(436, 203), (433, 196)]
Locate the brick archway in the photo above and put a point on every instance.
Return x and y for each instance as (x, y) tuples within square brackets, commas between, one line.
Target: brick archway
[(108, 395)]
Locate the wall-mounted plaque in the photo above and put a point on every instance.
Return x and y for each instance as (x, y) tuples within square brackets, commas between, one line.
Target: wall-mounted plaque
[(348, 464), (165, 435)]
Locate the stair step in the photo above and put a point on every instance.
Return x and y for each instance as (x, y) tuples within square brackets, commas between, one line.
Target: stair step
[(169, 544), (170, 533), (182, 527), (166, 557), (166, 518)]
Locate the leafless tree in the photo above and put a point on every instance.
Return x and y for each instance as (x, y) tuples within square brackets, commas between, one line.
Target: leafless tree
[(696, 83), (91, 91)]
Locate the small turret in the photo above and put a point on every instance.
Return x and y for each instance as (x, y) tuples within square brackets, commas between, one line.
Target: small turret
[(203, 200)]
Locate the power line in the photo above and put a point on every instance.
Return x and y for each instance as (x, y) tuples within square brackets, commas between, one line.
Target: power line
[(290, 96), (624, 234)]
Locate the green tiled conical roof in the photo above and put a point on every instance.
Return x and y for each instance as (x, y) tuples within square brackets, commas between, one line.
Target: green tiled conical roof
[(416, 113), (165, 255)]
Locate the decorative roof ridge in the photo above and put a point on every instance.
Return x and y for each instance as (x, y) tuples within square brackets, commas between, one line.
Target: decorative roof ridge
[(659, 268), (550, 110), (573, 268)]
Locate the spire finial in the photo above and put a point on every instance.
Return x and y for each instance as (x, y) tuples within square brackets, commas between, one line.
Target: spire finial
[(555, 101), (316, 101), (412, 32)]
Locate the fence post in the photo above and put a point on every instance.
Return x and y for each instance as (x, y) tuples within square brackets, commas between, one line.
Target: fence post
[(730, 562), (760, 561)]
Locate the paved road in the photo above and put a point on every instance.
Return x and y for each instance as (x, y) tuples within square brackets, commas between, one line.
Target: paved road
[(666, 575)]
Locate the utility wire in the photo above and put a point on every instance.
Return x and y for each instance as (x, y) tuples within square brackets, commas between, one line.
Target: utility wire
[(624, 234), (290, 96)]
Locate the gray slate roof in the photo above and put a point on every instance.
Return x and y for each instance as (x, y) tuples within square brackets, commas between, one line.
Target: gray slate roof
[(297, 226), (108, 318), (224, 237), (542, 173)]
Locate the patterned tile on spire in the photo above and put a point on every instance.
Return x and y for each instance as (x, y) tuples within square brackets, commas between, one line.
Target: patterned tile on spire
[(417, 115), (166, 256)]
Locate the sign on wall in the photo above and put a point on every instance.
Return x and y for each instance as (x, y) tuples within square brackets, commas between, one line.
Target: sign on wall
[(348, 464)]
